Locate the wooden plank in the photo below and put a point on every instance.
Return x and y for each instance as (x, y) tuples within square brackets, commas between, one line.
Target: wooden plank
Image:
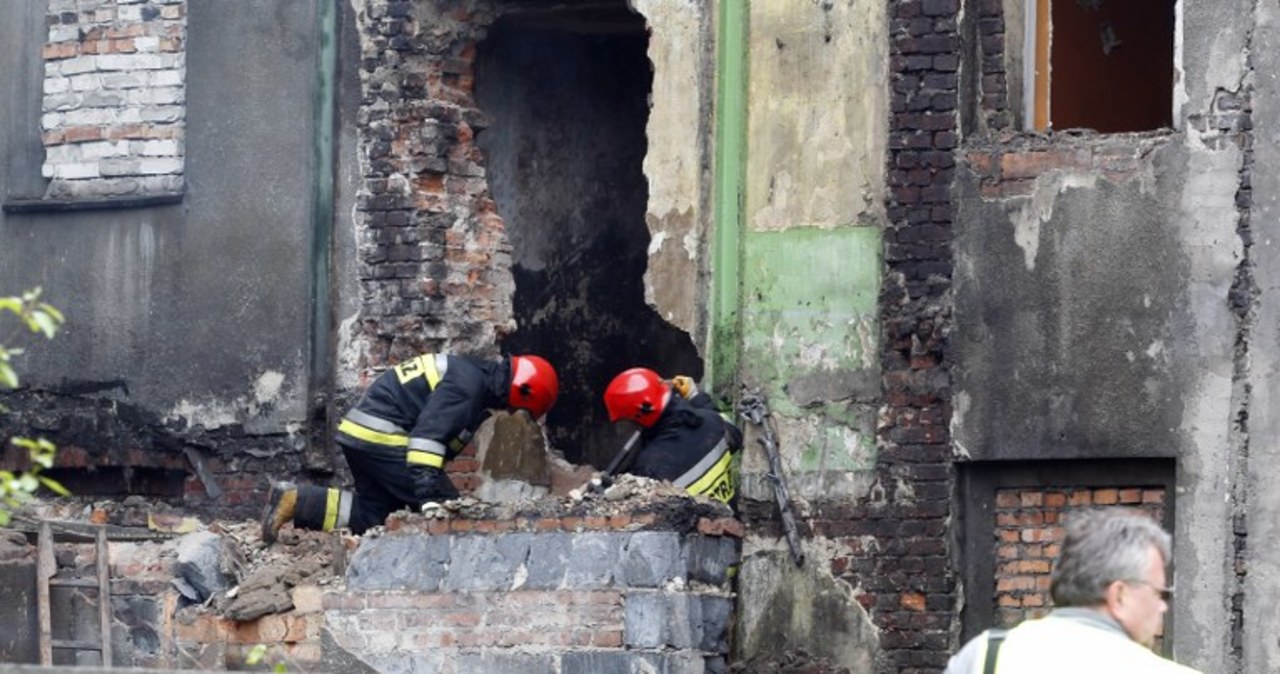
[(104, 596), (46, 566), (76, 645), (74, 582)]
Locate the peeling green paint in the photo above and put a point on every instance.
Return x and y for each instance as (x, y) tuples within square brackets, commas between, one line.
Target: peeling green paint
[(838, 448), (810, 330)]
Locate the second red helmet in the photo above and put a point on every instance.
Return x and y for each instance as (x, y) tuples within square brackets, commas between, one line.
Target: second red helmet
[(638, 394), (534, 385)]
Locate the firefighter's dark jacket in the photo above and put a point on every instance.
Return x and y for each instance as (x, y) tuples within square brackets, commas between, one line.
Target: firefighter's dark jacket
[(427, 408), (691, 445)]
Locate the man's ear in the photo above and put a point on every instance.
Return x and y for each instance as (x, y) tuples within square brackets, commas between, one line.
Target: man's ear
[(1114, 596)]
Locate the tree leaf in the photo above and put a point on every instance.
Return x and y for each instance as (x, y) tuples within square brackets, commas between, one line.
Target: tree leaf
[(52, 311), (44, 323), (27, 483), (53, 485), (8, 378)]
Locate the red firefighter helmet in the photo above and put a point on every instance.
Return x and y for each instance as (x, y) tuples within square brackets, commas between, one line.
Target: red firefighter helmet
[(638, 394), (534, 385)]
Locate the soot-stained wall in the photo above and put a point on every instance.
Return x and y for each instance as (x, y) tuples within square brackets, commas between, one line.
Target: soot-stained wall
[(564, 153)]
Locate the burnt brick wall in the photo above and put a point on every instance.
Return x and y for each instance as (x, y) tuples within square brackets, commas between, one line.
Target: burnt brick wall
[(111, 449), (899, 552), (434, 262), (994, 84)]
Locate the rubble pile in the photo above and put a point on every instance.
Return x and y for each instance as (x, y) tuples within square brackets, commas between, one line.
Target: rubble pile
[(225, 567)]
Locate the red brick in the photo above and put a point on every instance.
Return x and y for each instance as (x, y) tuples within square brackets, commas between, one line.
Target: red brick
[(1106, 497), (912, 601), (1007, 499), (1081, 497)]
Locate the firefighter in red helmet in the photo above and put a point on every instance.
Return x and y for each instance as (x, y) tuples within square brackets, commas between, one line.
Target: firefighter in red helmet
[(411, 421), (685, 441)]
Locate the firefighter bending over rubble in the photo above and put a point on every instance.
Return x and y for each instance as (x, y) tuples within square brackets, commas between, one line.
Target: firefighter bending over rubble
[(685, 440), (411, 421)]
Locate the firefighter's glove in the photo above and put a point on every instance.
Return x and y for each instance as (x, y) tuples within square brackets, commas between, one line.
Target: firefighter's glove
[(432, 485), (685, 386)]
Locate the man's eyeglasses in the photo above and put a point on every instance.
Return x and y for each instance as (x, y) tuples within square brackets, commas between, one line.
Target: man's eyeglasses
[(1166, 593)]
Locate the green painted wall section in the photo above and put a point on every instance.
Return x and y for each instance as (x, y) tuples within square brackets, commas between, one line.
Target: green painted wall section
[(810, 338)]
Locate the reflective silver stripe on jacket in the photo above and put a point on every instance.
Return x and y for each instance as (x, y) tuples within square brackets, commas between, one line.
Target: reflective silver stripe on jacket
[(425, 445), (690, 476), (442, 364), (374, 423)]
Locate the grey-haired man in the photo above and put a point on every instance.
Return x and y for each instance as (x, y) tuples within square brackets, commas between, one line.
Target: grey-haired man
[(1111, 593)]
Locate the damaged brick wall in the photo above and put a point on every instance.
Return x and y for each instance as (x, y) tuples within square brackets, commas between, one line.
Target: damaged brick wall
[(899, 556), (434, 263)]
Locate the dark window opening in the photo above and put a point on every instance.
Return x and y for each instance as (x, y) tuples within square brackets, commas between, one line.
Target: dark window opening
[(567, 94), (1105, 65)]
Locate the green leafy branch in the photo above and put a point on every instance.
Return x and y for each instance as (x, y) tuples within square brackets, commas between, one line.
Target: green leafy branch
[(37, 316), (40, 318)]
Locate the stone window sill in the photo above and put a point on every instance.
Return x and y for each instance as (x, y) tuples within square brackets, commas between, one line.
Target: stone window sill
[(82, 204)]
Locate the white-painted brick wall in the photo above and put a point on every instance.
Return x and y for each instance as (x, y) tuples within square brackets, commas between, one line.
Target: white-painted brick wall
[(114, 104)]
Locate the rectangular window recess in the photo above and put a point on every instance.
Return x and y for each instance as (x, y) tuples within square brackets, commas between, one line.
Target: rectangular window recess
[(81, 204)]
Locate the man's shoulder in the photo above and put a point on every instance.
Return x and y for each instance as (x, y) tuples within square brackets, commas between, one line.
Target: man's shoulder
[(1074, 643), (968, 660)]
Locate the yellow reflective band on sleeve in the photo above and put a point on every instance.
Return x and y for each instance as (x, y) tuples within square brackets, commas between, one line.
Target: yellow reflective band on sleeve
[(717, 482), (369, 435), (422, 366), (331, 510), (416, 458)]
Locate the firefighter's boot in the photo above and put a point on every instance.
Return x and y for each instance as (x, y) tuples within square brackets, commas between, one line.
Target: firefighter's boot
[(322, 509), (281, 503)]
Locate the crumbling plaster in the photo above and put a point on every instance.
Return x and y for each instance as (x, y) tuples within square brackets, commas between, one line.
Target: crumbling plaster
[(801, 608), (1261, 653), (818, 118), (677, 163)]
